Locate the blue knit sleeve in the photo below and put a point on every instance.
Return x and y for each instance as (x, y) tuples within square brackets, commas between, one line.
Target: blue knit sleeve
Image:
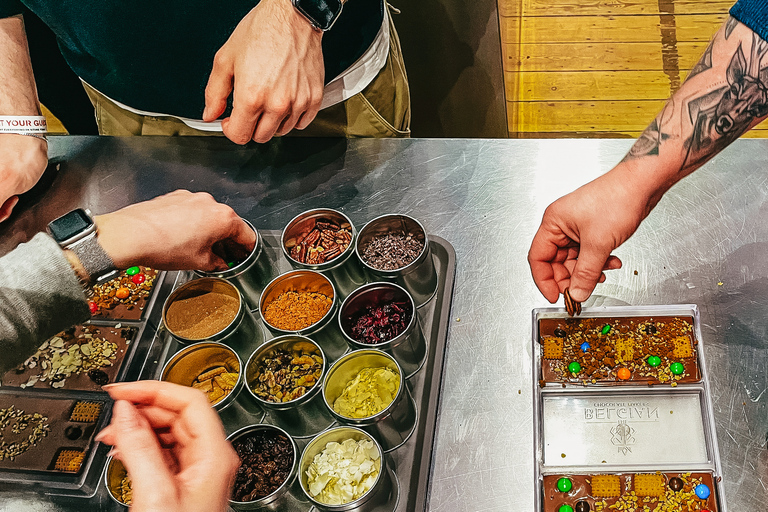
[(754, 14)]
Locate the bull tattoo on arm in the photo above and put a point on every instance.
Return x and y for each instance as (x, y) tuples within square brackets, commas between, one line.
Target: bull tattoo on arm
[(723, 115)]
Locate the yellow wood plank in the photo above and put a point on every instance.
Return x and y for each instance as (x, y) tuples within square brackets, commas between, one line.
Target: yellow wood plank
[(574, 135), (756, 134), (588, 85), (608, 7), (626, 29), (585, 116), (752, 134), (588, 116), (596, 56)]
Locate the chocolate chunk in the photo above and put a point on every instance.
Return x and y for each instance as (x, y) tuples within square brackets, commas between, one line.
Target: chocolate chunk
[(73, 432), (676, 484), (560, 333), (98, 376), (582, 506)]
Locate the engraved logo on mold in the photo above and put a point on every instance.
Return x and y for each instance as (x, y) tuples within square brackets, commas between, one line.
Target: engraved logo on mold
[(622, 437), (608, 412)]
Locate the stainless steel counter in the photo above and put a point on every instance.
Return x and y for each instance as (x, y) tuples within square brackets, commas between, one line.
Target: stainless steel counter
[(705, 243)]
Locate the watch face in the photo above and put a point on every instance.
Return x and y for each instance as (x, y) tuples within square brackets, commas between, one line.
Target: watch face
[(321, 12), (70, 225)]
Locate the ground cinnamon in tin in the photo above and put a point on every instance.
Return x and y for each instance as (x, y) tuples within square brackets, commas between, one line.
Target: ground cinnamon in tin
[(294, 311), (201, 316)]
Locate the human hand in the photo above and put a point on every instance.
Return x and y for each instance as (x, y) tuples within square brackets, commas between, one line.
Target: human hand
[(272, 64), (176, 231), (23, 160), (578, 232), (173, 446)]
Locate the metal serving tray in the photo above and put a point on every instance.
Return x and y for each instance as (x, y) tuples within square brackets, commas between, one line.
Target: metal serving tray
[(630, 428), (412, 461)]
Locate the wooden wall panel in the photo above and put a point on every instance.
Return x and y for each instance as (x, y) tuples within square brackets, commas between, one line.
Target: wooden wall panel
[(564, 57), (609, 7), (600, 68), (592, 85), (624, 29)]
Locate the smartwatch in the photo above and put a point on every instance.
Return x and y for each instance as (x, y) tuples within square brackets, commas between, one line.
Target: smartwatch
[(321, 14), (76, 231)]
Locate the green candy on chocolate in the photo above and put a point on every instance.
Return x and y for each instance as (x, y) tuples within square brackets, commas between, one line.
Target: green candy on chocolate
[(574, 367), (565, 508), (564, 485), (654, 361), (132, 271), (677, 368), (606, 329)]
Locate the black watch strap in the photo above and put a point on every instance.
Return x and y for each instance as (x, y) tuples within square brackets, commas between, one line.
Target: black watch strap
[(94, 259)]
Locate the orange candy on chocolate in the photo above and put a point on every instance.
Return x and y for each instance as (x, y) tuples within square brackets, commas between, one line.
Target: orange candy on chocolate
[(122, 293), (623, 374)]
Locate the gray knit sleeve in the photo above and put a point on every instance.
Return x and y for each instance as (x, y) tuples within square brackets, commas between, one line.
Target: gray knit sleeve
[(39, 296)]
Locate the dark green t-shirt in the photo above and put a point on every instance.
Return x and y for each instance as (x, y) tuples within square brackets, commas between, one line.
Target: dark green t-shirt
[(157, 55)]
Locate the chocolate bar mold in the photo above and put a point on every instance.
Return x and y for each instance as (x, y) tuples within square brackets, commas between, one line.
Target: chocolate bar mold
[(35, 467), (632, 428)]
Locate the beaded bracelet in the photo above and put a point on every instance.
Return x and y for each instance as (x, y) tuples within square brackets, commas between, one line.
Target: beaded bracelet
[(36, 135)]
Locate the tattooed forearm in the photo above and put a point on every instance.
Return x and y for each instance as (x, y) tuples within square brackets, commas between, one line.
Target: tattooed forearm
[(705, 62), (721, 116), (649, 141), (724, 95)]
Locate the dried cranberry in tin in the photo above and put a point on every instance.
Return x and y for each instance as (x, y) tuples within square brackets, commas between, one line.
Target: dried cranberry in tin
[(382, 323)]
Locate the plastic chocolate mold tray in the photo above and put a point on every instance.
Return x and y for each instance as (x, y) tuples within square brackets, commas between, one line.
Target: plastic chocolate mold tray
[(46, 439), (637, 439)]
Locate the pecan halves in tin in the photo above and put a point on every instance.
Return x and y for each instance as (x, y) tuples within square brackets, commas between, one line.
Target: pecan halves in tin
[(325, 241), (571, 306)]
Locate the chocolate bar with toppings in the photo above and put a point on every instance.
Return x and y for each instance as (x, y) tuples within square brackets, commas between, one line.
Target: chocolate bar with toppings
[(46, 434), (84, 358), (619, 350), (124, 297), (630, 492)]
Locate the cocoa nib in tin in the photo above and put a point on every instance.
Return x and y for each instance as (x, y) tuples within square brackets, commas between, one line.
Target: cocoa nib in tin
[(392, 251), (382, 323), (325, 241)]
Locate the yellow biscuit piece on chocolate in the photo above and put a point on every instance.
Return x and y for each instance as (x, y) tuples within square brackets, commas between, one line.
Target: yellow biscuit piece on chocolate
[(625, 349), (86, 412), (553, 347), (649, 485), (683, 347), (69, 461), (606, 486)]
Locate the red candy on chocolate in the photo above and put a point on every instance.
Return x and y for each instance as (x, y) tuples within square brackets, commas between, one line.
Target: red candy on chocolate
[(93, 306), (138, 278)]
